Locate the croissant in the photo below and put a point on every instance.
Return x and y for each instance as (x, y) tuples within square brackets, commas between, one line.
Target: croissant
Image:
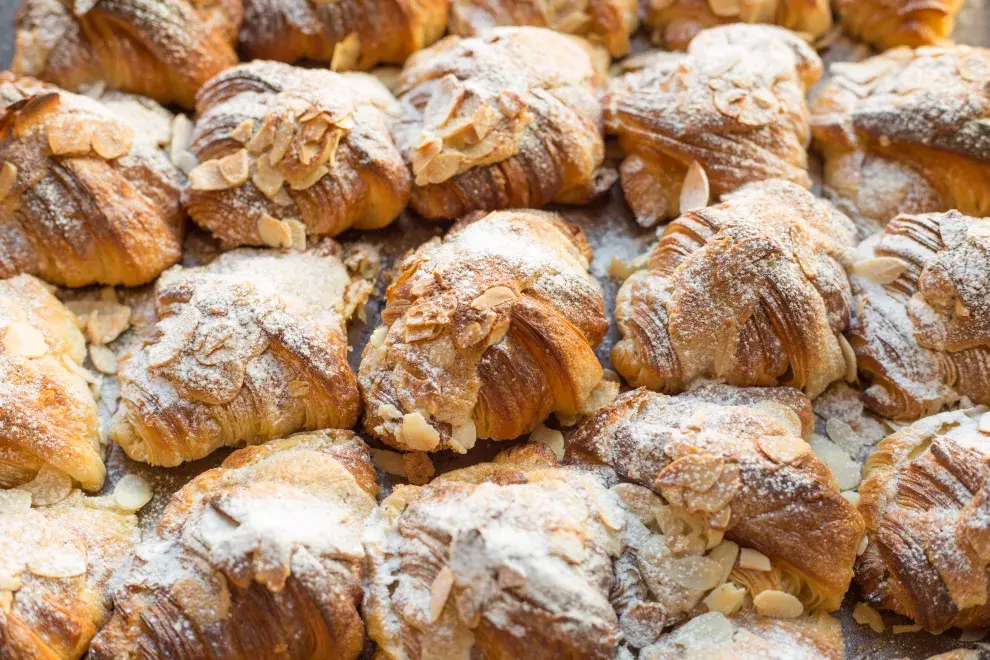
[(260, 557), (674, 23), (246, 349), (485, 333), (55, 567), (926, 500), (48, 418), (509, 559), (734, 104), (610, 23), (507, 119), (350, 34), (86, 194), (922, 328), (891, 23), (724, 466), (285, 150), (905, 132), (164, 49), (751, 291)]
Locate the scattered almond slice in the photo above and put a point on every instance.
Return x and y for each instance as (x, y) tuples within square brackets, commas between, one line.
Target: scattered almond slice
[(852, 496), (24, 339), (972, 635), (112, 140), (777, 604), (132, 492), (57, 562), (346, 53), (274, 233), (463, 437), (863, 614), (863, 544), (551, 438), (493, 297), (234, 167), (695, 572), (207, 177), (49, 486), (417, 434), (243, 132), (182, 129), (881, 270), (754, 560), (70, 137), (783, 448), (694, 191), (103, 359), (726, 598), (439, 591), (849, 356), (390, 462)]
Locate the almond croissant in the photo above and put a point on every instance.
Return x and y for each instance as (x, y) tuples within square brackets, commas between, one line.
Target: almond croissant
[(485, 333), (258, 558), (734, 104), (906, 132), (86, 193), (248, 348), (921, 332), (48, 418), (926, 500), (164, 49), (751, 291), (890, 23), (509, 559), (508, 119), (285, 152)]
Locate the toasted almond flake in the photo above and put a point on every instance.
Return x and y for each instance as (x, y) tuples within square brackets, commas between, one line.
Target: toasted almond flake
[(463, 437), (132, 492), (725, 553), (704, 631), (863, 544), (693, 572), (551, 438), (281, 142), (185, 161), (783, 448), (14, 499), (778, 604), (77, 369), (694, 191), (105, 321), (902, 629), (261, 140), (274, 233), (207, 176), (984, 425), (852, 496), (389, 411), (863, 614), (57, 562), (417, 434), (439, 591), (298, 388), (724, 8), (8, 175), (972, 635), (71, 136), (726, 599), (267, 178), (974, 68), (112, 139), (24, 339), (234, 167), (846, 471), (103, 359), (182, 130), (493, 297), (389, 462), (849, 356), (243, 132), (698, 472), (307, 180), (440, 168), (881, 270), (419, 467), (753, 560), (346, 53)]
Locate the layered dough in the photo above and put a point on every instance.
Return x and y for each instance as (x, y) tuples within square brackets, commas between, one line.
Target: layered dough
[(891, 23)]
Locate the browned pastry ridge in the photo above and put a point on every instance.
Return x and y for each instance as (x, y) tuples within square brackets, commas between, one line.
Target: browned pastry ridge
[(55, 567), (752, 291), (48, 418), (349, 34), (508, 119), (921, 331), (279, 146), (86, 193), (906, 132), (734, 104), (610, 23), (163, 49), (509, 559), (485, 333), (926, 500), (258, 558), (890, 23), (248, 348)]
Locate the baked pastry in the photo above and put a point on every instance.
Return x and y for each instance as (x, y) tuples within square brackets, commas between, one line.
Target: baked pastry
[(734, 104), (55, 567), (164, 49), (674, 23), (260, 557), (508, 119), (279, 145), (733, 466), (921, 331), (926, 500), (246, 349), (484, 334), (509, 559), (48, 418), (890, 23), (751, 291), (86, 194), (905, 132), (610, 23)]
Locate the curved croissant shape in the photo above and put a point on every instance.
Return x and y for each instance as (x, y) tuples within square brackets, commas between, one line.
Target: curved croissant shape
[(508, 119), (890, 23), (86, 193), (55, 567), (485, 334), (907, 131), (733, 465), (163, 49), (922, 328), (926, 500), (734, 104), (279, 146), (674, 23), (751, 291), (47, 413), (510, 559), (258, 558), (350, 34), (610, 23), (248, 348)]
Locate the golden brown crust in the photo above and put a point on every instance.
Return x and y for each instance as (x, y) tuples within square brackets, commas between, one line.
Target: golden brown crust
[(907, 132), (485, 334), (86, 194), (245, 349), (47, 414), (921, 332), (260, 557), (890, 23), (278, 143), (508, 119), (734, 104), (926, 501), (163, 49), (751, 291)]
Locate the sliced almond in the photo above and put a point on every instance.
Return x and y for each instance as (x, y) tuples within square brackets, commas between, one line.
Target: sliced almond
[(417, 434), (440, 591), (182, 130), (493, 297), (207, 176), (112, 139), (309, 178), (57, 561), (881, 270), (24, 339), (281, 142), (243, 132), (132, 492), (234, 167), (783, 449), (8, 175), (725, 553), (389, 462), (274, 233), (695, 572), (777, 604), (49, 486), (863, 614), (106, 321), (984, 425), (70, 137), (267, 178), (724, 8), (463, 437), (103, 359), (439, 169), (694, 191), (900, 630), (698, 472), (551, 438), (185, 161), (389, 411), (851, 496), (864, 543), (753, 560), (849, 356), (261, 140), (346, 53), (726, 599)]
